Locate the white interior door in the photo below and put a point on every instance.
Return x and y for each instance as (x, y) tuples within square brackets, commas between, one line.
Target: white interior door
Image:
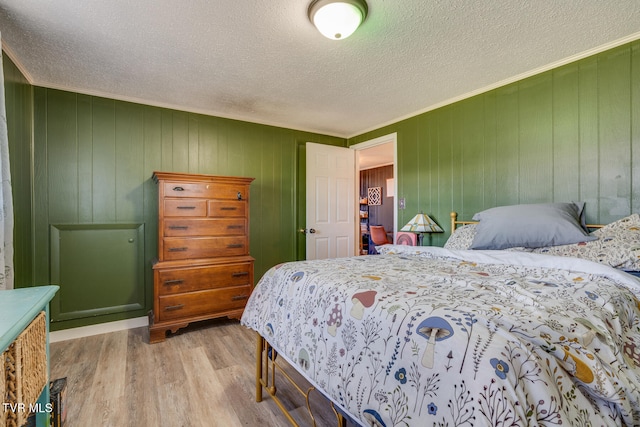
[(330, 227)]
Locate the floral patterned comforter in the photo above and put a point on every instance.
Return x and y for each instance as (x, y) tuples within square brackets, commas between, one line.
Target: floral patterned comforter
[(451, 338)]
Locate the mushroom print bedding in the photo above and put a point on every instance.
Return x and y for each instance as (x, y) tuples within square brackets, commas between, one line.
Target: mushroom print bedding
[(428, 336)]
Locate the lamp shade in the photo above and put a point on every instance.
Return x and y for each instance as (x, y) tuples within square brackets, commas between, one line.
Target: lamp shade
[(422, 223), (337, 19)]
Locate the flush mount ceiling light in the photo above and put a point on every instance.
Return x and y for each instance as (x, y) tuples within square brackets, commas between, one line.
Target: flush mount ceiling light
[(337, 19)]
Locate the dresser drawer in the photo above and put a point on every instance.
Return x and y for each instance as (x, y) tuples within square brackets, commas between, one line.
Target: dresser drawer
[(186, 207), (206, 190), (175, 248), (199, 303), (175, 227), (188, 279), (227, 208)]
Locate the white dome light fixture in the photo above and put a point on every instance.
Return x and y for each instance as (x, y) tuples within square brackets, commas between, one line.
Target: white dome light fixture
[(337, 19)]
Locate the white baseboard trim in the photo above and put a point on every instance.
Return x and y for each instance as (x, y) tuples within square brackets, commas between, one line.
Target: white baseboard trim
[(101, 328)]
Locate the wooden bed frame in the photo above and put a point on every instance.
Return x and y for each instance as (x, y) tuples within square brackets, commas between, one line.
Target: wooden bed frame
[(455, 223)]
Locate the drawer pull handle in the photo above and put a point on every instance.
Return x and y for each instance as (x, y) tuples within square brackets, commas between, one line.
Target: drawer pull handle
[(173, 282), (186, 207), (234, 227), (235, 246), (239, 195), (240, 274), (173, 307), (181, 249), (239, 297), (228, 208), (178, 227), (178, 188)]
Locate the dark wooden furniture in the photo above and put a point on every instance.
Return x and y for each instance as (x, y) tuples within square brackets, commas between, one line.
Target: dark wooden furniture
[(364, 226), (203, 269)]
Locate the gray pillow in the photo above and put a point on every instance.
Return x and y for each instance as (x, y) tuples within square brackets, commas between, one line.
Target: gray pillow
[(530, 226)]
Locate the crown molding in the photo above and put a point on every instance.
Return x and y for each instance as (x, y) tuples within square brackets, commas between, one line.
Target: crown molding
[(505, 82), (13, 57)]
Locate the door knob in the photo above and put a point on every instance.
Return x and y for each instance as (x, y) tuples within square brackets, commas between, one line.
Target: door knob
[(305, 231)]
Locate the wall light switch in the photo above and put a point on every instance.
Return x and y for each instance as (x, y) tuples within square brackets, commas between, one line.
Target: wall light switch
[(401, 203)]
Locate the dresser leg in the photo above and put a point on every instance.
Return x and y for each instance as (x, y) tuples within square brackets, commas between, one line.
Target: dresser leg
[(157, 335)]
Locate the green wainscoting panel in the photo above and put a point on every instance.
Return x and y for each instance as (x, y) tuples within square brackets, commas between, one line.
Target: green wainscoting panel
[(99, 268), (301, 202), (635, 124), (614, 128), (507, 152), (19, 105), (535, 139)]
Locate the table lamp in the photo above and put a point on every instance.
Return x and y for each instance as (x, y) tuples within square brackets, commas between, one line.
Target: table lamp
[(422, 223)]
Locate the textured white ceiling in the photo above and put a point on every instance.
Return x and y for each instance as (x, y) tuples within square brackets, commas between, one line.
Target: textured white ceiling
[(264, 62)]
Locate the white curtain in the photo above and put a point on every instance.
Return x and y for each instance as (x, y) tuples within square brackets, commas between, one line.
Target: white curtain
[(6, 200)]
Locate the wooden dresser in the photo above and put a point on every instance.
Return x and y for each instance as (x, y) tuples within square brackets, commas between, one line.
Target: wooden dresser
[(203, 269)]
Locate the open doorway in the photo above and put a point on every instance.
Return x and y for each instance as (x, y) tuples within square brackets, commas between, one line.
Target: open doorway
[(376, 172)]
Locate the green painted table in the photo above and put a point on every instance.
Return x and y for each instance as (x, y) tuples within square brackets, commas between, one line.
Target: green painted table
[(18, 307)]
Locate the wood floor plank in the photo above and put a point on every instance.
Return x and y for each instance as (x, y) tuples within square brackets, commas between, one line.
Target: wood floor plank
[(175, 408), (80, 357), (166, 361), (142, 390), (200, 376), (106, 394), (211, 403), (109, 380), (239, 386)]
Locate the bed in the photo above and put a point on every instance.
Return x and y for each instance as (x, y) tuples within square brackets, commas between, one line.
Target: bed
[(456, 336)]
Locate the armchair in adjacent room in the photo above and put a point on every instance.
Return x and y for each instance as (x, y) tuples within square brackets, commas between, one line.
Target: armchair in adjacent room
[(377, 237)]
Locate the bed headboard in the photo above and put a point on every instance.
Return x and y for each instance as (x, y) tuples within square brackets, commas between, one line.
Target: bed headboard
[(455, 223)]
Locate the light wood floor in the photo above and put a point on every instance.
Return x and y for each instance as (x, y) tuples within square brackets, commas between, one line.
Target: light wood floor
[(201, 377)]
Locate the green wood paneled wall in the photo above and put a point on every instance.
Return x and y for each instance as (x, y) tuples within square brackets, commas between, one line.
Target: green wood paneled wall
[(19, 105), (572, 133), (93, 159)]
